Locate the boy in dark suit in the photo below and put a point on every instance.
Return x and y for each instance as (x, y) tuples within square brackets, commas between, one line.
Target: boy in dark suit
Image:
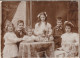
[(20, 31), (57, 32)]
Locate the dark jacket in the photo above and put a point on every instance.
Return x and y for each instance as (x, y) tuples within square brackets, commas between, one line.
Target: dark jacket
[(20, 33), (58, 31)]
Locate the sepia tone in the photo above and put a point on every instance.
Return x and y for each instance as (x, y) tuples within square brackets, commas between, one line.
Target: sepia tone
[(0, 27), (68, 10)]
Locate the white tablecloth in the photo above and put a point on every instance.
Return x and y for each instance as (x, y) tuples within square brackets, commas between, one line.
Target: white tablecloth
[(30, 50)]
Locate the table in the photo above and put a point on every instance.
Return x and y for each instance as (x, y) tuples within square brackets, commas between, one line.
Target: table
[(30, 50)]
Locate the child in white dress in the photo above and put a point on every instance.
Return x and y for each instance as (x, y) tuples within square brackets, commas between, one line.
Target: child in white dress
[(43, 28), (70, 42), (10, 49)]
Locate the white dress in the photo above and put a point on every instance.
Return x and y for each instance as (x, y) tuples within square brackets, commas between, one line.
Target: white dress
[(10, 49), (39, 30), (70, 42), (69, 45)]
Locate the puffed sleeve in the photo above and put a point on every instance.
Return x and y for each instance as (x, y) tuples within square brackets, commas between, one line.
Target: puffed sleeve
[(51, 38), (24, 38), (76, 38), (62, 42), (14, 39), (37, 31), (5, 36), (49, 29)]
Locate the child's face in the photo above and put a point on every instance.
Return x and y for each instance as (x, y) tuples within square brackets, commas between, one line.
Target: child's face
[(42, 17), (59, 22), (10, 28), (68, 29), (29, 33), (20, 26)]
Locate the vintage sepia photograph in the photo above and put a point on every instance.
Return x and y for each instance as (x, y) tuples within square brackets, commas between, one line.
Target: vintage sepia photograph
[(39, 29)]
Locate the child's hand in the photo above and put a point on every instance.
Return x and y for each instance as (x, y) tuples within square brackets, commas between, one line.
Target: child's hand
[(51, 38), (20, 40), (43, 35), (46, 40), (59, 48)]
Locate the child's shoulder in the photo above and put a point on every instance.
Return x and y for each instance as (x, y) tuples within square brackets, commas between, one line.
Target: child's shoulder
[(33, 36), (37, 24), (25, 36), (7, 33), (63, 35), (75, 34), (48, 24)]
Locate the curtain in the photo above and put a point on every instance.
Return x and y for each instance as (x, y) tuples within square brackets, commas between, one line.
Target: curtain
[(8, 11), (20, 14)]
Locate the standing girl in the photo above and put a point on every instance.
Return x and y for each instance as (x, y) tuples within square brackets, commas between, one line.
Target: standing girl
[(10, 49), (42, 27)]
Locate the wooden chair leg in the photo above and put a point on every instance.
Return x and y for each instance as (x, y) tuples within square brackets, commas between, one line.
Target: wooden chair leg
[(46, 56), (38, 55)]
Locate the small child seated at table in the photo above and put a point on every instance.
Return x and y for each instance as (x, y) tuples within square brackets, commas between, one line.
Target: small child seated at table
[(29, 37)]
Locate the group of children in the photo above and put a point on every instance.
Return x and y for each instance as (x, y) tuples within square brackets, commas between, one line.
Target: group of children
[(42, 32)]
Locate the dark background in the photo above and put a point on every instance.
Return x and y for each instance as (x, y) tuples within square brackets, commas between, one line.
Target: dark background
[(67, 10)]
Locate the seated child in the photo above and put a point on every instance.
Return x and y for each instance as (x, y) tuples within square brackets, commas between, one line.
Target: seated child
[(10, 49), (29, 37)]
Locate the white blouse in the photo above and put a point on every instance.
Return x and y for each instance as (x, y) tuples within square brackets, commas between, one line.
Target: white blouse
[(39, 30), (10, 38), (70, 41)]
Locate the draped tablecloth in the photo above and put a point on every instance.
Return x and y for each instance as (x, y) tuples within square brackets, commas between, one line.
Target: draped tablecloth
[(30, 50)]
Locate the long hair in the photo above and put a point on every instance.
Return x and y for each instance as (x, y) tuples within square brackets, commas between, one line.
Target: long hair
[(39, 20), (7, 24)]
